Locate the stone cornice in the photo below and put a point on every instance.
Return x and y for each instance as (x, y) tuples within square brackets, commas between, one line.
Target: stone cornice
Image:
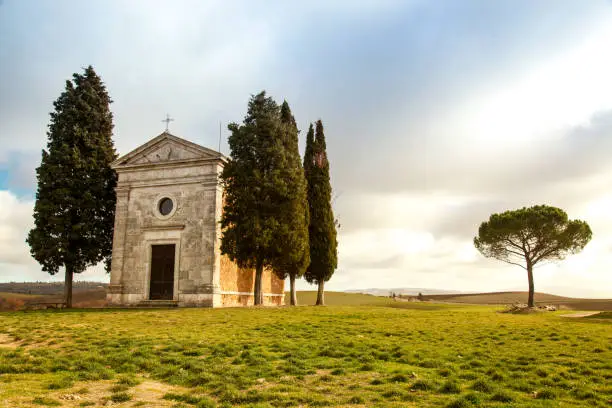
[(208, 180), (114, 288), (124, 168), (163, 227), (122, 190)]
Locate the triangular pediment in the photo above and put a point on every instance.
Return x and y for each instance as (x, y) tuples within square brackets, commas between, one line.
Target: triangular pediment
[(166, 148)]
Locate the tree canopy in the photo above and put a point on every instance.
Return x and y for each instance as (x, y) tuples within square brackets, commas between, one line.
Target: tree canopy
[(322, 226), (294, 255), (256, 190), (530, 236), (75, 198)]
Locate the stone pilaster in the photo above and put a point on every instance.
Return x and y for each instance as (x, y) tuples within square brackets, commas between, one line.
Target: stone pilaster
[(121, 216), (216, 272)]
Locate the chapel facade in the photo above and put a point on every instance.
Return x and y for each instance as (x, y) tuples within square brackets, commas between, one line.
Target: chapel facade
[(167, 236)]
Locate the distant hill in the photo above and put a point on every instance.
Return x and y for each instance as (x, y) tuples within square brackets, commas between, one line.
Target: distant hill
[(81, 297), (505, 298), (493, 298), (50, 288), (339, 298), (488, 298), (403, 291), (93, 294)]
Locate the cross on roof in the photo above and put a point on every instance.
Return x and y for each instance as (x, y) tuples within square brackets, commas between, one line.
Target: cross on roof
[(167, 120)]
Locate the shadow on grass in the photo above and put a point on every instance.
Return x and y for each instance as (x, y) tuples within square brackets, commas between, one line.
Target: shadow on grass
[(421, 306), (96, 310), (602, 315)]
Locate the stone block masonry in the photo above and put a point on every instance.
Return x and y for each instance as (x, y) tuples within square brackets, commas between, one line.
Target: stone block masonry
[(166, 243)]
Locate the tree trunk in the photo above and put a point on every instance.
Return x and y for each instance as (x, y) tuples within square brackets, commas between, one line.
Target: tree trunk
[(321, 294), (530, 301), (258, 295), (292, 293), (68, 286)]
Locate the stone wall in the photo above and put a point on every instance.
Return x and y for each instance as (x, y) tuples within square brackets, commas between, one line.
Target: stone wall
[(191, 227), (188, 174), (277, 285), (247, 300), (239, 284)]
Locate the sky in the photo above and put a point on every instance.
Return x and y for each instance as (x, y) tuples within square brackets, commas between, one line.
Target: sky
[(437, 114)]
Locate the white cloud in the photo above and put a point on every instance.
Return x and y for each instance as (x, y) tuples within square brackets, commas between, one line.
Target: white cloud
[(559, 91), (16, 263), (15, 222)]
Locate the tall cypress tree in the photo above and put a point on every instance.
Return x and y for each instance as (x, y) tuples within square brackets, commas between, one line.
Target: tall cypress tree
[(75, 200), (255, 188), (322, 227), (294, 256)]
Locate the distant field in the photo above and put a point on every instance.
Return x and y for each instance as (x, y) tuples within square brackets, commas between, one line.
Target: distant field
[(17, 296), (96, 298), (496, 298), (48, 288), (82, 298), (493, 298), (339, 298), (384, 354)]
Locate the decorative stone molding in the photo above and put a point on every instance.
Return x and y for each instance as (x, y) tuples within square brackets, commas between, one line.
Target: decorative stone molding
[(168, 227), (175, 206), (114, 289), (250, 293)]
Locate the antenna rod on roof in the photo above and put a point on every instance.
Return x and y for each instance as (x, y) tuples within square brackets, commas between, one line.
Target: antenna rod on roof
[(219, 137), (168, 120)]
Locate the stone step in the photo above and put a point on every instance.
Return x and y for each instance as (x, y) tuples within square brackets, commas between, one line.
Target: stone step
[(158, 303)]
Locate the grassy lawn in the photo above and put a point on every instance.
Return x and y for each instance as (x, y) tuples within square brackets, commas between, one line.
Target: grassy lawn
[(339, 298), (382, 354)]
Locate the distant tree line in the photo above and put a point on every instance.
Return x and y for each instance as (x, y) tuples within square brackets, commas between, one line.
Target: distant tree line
[(46, 288)]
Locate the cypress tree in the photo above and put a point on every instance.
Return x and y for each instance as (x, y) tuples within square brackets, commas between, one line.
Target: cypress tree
[(322, 227), (254, 190), (75, 199), (294, 256)]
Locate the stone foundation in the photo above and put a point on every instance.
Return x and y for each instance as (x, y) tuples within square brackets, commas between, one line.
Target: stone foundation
[(186, 300), (196, 300), (234, 300), (124, 299)]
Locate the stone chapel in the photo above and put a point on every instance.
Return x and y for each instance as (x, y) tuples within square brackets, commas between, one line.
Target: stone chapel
[(166, 242)]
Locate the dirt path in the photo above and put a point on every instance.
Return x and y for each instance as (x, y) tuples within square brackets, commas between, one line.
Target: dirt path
[(583, 314), (7, 341)]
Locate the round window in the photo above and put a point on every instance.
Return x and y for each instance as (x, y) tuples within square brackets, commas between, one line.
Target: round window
[(165, 206)]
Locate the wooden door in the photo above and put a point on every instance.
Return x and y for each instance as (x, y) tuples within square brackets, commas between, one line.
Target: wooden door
[(162, 272)]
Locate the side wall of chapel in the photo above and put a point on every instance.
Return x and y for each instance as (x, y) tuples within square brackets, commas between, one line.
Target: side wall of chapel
[(237, 285)]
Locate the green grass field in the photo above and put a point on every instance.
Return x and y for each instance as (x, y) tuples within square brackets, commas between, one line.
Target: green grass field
[(372, 352), (340, 298)]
